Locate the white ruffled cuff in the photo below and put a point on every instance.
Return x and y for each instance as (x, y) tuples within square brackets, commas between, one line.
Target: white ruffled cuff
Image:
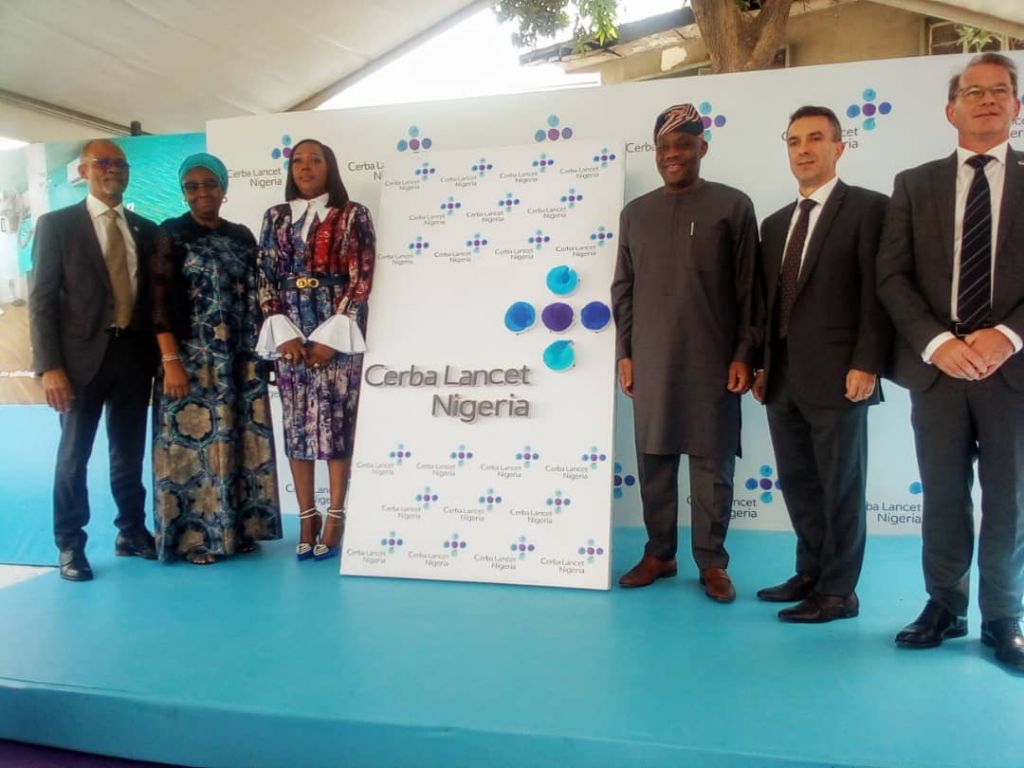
[(340, 332), (276, 330)]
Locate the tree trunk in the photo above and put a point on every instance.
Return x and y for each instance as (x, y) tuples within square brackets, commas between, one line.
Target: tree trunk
[(737, 40)]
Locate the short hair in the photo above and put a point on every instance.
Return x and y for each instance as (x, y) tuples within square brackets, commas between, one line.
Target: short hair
[(984, 58), (814, 111), (87, 147), (337, 195)]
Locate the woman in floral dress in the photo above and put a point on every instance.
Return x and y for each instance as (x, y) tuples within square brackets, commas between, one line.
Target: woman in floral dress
[(215, 481), (317, 253)]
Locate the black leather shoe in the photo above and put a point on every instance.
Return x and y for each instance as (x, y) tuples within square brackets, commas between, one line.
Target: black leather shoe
[(792, 589), (818, 609), (1005, 636), (74, 566), (934, 625), (135, 545)]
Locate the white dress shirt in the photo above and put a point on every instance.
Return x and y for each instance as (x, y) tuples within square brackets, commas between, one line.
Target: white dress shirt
[(995, 173), (820, 196), (97, 208)]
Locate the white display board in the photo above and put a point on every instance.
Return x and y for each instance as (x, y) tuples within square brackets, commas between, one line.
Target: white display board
[(485, 430)]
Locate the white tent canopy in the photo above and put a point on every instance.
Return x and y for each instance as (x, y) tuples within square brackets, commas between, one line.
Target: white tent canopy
[(173, 64)]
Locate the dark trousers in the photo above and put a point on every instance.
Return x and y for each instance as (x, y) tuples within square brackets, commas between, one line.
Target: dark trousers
[(955, 423), (122, 384), (710, 506), (822, 458)]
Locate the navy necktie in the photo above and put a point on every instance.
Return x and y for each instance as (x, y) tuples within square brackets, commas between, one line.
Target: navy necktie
[(974, 290), (791, 265)]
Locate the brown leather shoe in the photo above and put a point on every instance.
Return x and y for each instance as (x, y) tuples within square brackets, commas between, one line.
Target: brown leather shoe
[(717, 584), (647, 571)]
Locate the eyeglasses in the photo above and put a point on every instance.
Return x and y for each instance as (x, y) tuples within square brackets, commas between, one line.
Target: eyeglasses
[(207, 186), (977, 93), (106, 163)]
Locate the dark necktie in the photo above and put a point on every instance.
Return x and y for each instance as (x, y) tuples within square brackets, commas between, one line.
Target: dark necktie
[(974, 290), (791, 265)]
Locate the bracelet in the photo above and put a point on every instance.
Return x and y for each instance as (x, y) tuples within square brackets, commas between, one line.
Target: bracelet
[(169, 357)]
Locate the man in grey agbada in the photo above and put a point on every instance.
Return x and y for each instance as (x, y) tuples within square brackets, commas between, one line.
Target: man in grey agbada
[(686, 311)]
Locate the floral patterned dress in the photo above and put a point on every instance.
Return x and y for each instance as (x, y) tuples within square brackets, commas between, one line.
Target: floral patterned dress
[(215, 481), (318, 405)]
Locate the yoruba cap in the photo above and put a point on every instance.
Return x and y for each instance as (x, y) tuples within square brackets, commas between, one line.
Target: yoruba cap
[(681, 117)]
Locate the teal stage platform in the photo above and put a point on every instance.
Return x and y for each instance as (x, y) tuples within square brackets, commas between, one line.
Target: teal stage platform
[(264, 661)]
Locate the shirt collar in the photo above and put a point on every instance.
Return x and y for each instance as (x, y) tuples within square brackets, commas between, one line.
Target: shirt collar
[(998, 152), (821, 194), (318, 205), (97, 207)]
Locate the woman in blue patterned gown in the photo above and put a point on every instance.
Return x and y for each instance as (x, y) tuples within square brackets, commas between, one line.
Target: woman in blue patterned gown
[(317, 253), (215, 483)]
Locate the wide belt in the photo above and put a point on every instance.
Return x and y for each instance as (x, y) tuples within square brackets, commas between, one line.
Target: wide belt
[(306, 283)]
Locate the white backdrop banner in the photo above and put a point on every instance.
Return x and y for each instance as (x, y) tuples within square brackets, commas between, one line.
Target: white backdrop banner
[(892, 114)]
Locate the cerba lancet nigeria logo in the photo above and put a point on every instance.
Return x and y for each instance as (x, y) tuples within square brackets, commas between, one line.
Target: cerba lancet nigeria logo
[(552, 132), (558, 317), (285, 150), (413, 142), (765, 483), (868, 109)]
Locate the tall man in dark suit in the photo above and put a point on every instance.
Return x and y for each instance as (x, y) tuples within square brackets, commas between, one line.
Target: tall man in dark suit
[(951, 275), (826, 342), (92, 344), (685, 313)]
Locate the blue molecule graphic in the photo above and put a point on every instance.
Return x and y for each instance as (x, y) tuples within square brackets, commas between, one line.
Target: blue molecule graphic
[(560, 356), (562, 280), (766, 497), (916, 488), (869, 124), (595, 316), (853, 111), (884, 108), (751, 484), (705, 107), (520, 317), (765, 470), (869, 94), (557, 317)]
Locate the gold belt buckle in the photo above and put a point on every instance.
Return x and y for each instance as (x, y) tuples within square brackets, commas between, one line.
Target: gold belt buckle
[(307, 282)]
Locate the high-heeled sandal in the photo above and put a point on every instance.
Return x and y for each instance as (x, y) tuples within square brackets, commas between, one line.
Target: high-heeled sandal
[(304, 551), (323, 552)]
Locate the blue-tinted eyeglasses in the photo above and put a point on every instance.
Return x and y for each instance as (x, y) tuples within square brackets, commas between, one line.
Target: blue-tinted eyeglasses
[(106, 163)]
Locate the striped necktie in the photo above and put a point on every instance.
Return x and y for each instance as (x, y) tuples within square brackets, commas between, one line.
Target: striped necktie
[(974, 289)]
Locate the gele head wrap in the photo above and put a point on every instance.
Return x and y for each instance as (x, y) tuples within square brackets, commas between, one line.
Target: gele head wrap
[(681, 117), (207, 161)]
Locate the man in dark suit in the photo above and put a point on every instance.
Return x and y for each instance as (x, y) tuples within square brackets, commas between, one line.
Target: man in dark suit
[(828, 338), (92, 344), (951, 275)]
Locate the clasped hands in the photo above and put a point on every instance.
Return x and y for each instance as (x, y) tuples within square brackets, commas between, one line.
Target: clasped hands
[(975, 357), (316, 355)]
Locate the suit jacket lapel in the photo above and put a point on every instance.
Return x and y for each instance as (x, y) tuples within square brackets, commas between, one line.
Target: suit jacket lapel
[(821, 228), (944, 199), (91, 250), (775, 246), (1013, 193)]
